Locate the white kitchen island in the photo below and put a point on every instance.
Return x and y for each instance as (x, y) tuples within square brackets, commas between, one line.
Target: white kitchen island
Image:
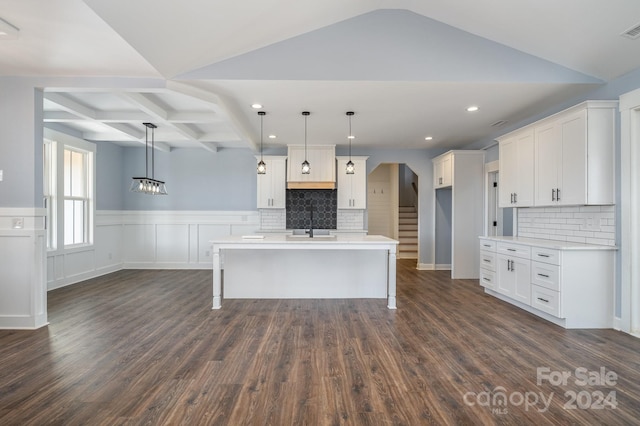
[(278, 266)]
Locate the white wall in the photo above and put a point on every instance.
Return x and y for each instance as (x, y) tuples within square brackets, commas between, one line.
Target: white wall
[(147, 240)]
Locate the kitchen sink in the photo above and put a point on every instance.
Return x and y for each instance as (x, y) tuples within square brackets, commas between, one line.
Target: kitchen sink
[(321, 234)]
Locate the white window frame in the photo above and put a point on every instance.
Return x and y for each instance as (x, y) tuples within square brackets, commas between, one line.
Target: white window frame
[(62, 142), (50, 191)]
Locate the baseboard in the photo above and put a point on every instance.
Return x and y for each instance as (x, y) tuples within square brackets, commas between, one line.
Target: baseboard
[(74, 279), (425, 267), (617, 323), (166, 265), (22, 322), (443, 267)]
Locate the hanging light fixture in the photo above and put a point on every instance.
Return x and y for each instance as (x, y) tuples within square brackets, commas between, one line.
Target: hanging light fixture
[(146, 184), (306, 168), (350, 166), (262, 167)]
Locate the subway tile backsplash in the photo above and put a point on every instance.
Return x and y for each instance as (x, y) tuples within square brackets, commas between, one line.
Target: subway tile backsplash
[(324, 203), (578, 224)]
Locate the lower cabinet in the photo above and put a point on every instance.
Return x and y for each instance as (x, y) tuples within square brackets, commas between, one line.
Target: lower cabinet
[(568, 284)]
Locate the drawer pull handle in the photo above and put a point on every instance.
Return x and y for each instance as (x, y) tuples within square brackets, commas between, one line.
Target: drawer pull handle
[(543, 255), (510, 249), (486, 279), (543, 300), (486, 260), (487, 245), (543, 275)]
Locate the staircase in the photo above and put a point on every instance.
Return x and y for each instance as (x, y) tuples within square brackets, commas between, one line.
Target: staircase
[(408, 233)]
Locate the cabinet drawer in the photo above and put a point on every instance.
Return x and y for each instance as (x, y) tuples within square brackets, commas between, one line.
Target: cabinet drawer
[(546, 300), (487, 278), (488, 260), (545, 275), (514, 250), (487, 245), (545, 255)]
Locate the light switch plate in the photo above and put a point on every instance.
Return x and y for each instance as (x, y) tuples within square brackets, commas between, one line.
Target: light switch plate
[(18, 223), (1, 175)]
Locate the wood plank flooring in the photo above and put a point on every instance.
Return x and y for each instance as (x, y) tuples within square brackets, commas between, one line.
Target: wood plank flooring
[(144, 347)]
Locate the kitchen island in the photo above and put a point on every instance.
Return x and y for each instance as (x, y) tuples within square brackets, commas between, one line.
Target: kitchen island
[(282, 266)]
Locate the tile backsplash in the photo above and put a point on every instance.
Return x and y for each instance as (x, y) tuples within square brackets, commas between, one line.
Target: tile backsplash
[(324, 203), (578, 224)]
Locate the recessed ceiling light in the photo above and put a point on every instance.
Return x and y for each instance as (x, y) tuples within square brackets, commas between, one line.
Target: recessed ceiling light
[(428, 138), (351, 137), (472, 108), (272, 136), (256, 106)]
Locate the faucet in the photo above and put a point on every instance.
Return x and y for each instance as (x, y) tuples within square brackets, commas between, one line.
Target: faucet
[(310, 231)]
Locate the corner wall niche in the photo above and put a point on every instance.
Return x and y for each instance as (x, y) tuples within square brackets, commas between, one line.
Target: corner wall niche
[(324, 203)]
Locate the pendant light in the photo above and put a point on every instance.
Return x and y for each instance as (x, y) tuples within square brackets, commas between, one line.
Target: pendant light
[(262, 167), (146, 184), (306, 168), (350, 166)]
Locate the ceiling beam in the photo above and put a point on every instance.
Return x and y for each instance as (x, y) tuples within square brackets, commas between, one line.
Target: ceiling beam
[(236, 118), (71, 106)]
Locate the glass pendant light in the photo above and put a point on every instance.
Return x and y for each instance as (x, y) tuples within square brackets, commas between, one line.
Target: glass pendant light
[(350, 166), (146, 184), (262, 167), (306, 167)]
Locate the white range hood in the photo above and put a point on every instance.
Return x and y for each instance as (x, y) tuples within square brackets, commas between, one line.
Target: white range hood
[(321, 158)]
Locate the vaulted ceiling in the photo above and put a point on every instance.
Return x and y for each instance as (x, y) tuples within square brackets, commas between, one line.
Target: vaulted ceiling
[(408, 68)]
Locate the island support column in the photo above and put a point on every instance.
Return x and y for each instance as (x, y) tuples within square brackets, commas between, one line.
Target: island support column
[(217, 278), (391, 277)]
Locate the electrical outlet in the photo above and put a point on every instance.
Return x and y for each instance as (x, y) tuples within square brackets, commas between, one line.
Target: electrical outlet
[(18, 223), (110, 256), (1, 175), (207, 253)]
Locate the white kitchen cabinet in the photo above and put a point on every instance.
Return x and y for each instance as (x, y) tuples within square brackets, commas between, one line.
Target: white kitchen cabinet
[(574, 156), (460, 202), (570, 284), (516, 169), (442, 175), (322, 160), (513, 274), (271, 187), (352, 189)]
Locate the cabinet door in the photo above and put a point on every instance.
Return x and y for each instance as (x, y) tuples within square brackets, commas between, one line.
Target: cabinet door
[(505, 279), (271, 186), (547, 162), (521, 271), (442, 172), (525, 154), (508, 159), (278, 183), (573, 170)]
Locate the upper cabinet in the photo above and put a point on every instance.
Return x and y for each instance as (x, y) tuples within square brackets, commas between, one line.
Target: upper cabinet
[(574, 156), (442, 171), (565, 159), (352, 189), (516, 169), (321, 158), (272, 185)]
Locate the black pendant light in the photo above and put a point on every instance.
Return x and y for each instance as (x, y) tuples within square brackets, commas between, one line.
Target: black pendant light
[(146, 184), (350, 166), (262, 167), (306, 167)]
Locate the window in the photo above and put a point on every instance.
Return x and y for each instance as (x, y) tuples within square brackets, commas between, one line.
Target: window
[(69, 190), (77, 196)]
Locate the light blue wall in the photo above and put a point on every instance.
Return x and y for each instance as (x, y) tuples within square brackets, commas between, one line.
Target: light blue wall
[(109, 177), (196, 180)]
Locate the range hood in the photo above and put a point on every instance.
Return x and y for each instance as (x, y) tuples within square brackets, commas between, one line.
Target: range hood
[(322, 159)]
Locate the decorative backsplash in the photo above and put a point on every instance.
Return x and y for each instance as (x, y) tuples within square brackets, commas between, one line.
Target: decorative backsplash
[(324, 203)]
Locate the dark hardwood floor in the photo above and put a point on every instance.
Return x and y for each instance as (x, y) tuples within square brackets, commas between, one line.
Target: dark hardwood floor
[(144, 347)]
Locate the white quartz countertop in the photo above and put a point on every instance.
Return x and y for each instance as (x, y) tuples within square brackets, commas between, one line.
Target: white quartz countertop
[(551, 244), (291, 240)]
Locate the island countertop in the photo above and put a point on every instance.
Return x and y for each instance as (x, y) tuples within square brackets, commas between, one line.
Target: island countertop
[(291, 241)]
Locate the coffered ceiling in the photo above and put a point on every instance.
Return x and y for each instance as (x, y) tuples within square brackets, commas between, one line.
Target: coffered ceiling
[(408, 68)]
